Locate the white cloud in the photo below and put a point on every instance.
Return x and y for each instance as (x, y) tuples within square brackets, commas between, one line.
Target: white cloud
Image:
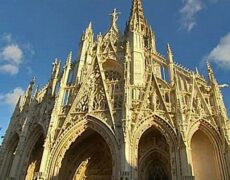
[(221, 53), (9, 69), (12, 53), (189, 12), (12, 97)]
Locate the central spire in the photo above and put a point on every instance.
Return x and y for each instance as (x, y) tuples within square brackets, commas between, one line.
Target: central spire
[(136, 20)]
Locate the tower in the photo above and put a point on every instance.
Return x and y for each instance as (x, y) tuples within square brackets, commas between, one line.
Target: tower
[(112, 114)]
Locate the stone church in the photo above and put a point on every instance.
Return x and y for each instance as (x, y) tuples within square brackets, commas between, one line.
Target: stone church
[(120, 111)]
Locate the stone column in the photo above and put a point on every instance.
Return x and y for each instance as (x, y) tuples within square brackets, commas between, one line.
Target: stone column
[(125, 170), (42, 171), (186, 161)]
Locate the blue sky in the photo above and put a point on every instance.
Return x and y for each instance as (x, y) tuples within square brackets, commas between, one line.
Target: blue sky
[(34, 33)]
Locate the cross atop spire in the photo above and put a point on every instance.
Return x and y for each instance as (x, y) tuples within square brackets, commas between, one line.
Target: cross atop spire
[(136, 19), (114, 15)]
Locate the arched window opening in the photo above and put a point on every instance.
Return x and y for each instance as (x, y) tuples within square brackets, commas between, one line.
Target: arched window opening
[(115, 86)]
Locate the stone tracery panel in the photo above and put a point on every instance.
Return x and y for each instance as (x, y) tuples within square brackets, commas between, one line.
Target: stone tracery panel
[(115, 86)]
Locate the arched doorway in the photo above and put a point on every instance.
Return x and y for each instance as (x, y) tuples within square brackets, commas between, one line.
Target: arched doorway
[(35, 159), (204, 157), (89, 157), (153, 156)]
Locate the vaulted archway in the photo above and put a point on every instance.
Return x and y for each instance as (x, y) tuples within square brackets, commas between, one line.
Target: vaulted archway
[(31, 156), (207, 151), (35, 157), (89, 157), (154, 148), (153, 156), (101, 146)]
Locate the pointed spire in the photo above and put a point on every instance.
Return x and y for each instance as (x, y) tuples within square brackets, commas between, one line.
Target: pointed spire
[(99, 42), (89, 29), (88, 33), (171, 65), (152, 39), (30, 88), (136, 19), (69, 59), (90, 26), (169, 52), (28, 93), (137, 10), (211, 74), (67, 69), (221, 109), (197, 71), (54, 69)]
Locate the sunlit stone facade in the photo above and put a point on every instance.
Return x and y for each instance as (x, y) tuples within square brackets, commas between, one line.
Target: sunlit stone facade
[(121, 111)]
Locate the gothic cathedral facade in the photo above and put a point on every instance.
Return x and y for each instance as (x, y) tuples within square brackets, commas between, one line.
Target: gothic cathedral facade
[(121, 111)]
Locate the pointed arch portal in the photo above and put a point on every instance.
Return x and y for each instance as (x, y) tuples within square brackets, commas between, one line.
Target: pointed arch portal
[(204, 157), (86, 150), (35, 157), (153, 156), (89, 157)]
